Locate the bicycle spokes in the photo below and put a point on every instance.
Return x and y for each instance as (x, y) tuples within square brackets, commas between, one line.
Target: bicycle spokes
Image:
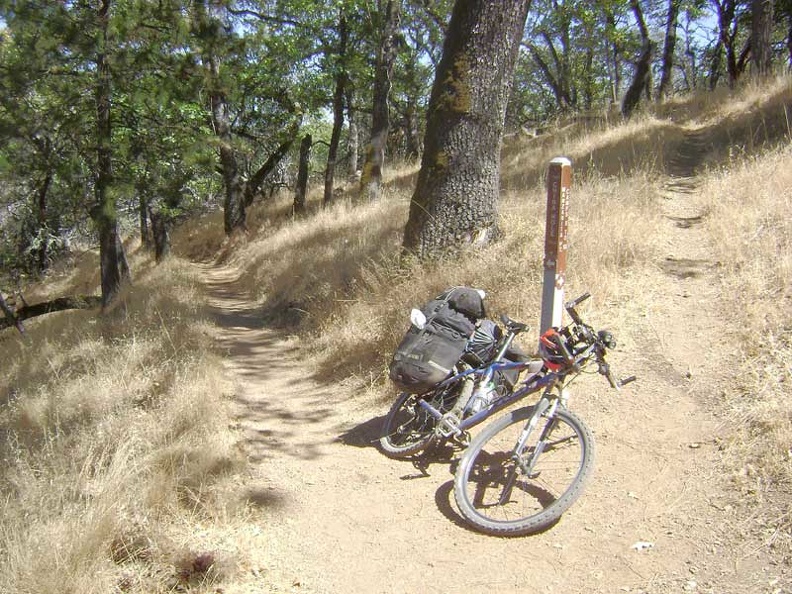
[(514, 477)]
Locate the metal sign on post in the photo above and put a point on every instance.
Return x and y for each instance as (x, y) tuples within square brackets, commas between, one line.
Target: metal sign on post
[(559, 182)]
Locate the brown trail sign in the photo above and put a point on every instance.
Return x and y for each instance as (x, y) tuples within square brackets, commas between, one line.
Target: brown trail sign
[(559, 182)]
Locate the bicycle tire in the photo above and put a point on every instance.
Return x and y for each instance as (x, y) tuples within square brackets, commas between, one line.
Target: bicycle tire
[(488, 472), (407, 429)]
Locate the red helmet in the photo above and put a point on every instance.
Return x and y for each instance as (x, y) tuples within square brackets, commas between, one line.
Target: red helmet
[(550, 349)]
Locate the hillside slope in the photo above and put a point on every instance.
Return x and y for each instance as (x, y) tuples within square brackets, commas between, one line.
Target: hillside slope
[(337, 516), (214, 432)]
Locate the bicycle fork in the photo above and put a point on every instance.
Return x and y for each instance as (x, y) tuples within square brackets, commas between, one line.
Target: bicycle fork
[(525, 467)]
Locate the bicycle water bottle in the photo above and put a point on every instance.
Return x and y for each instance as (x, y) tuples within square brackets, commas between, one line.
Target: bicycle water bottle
[(483, 396)]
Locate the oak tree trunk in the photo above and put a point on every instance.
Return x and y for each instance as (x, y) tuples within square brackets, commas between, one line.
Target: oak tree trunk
[(353, 144), (42, 250), (668, 48), (338, 111), (234, 205), (761, 37), (160, 230), (642, 78), (253, 185), (456, 197), (16, 317), (371, 179), (143, 216), (206, 29), (301, 190), (114, 269)]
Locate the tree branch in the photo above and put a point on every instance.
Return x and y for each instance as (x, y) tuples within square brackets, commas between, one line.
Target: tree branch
[(268, 18), (40, 309), (254, 183)]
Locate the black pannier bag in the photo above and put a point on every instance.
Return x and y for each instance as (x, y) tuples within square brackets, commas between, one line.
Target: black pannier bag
[(426, 356), (467, 301)]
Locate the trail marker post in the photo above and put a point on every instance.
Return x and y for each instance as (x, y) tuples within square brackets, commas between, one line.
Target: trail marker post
[(559, 183)]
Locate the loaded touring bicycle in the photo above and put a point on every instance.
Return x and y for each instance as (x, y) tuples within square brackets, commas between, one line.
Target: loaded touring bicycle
[(456, 369)]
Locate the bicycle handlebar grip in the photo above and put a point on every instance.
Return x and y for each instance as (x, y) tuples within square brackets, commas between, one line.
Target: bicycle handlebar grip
[(578, 301), (627, 380)]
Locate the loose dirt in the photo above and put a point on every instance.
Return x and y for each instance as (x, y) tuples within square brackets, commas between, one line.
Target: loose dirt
[(333, 515)]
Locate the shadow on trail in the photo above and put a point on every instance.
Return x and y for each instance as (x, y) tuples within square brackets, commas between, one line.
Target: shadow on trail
[(443, 497), (365, 435), (284, 422), (266, 498), (443, 500), (236, 318)]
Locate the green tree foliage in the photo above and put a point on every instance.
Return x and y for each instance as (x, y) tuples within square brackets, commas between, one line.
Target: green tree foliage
[(418, 51), (49, 113), (45, 122), (206, 100)]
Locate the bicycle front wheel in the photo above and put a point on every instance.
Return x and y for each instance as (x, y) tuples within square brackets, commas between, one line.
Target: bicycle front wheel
[(502, 491)]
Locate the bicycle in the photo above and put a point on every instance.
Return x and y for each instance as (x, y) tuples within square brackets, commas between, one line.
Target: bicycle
[(523, 471)]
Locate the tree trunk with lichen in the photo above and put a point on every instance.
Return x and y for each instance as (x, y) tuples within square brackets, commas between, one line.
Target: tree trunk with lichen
[(371, 179), (114, 269), (456, 197)]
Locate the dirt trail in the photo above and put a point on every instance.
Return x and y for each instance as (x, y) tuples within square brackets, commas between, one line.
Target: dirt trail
[(336, 516)]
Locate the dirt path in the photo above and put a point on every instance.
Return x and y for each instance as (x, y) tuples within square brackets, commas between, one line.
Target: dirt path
[(336, 516)]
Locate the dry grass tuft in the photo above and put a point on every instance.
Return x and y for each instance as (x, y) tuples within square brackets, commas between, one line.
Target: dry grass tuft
[(601, 150), (750, 222), (113, 437)]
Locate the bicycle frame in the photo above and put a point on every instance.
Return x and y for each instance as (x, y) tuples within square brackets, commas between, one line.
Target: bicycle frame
[(454, 423), (450, 424)]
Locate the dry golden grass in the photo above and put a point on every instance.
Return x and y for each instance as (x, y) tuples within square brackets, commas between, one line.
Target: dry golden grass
[(599, 148), (114, 428), (750, 221), (114, 436)]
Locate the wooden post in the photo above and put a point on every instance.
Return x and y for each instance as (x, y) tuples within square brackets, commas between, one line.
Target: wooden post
[(559, 182)]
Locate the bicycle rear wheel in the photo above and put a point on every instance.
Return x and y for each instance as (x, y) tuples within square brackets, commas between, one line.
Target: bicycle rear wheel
[(503, 492), (408, 427)]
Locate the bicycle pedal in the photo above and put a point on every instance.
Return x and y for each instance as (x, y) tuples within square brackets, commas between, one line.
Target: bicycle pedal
[(449, 426)]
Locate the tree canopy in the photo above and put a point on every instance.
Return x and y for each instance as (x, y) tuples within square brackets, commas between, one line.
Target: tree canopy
[(127, 110)]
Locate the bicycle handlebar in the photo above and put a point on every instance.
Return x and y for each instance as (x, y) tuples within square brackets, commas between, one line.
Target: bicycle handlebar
[(600, 341), (571, 305), (575, 302), (597, 343)]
